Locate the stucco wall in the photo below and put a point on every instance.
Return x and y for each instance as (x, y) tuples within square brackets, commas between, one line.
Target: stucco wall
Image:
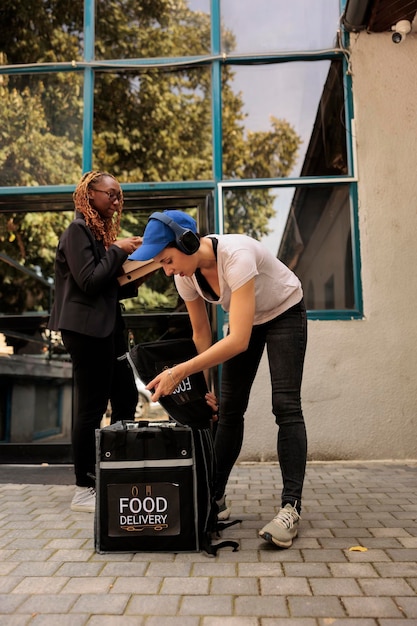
[(360, 381)]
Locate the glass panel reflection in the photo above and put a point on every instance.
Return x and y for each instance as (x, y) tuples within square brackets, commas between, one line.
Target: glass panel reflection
[(28, 244), (36, 389), (154, 125), (152, 29), (317, 245), (35, 369), (309, 229), (35, 399), (266, 26), (41, 32), (41, 121), (293, 120)]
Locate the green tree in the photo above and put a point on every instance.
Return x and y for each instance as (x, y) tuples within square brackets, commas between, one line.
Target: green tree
[(28, 147), (261, 155), (30, 153)]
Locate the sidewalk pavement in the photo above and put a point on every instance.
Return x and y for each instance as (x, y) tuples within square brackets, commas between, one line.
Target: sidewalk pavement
[(51, 575)]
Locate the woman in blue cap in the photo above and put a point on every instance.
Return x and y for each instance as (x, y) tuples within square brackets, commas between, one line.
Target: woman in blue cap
[(264, 300)]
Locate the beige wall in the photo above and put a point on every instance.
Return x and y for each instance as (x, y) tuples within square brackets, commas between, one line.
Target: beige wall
[(360, 382)]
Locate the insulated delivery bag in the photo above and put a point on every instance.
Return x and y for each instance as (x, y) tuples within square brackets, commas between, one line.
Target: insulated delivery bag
[(146, 488), (155, 481)]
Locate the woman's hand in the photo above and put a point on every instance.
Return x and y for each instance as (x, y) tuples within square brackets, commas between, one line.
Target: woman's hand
[(164, 384), (129, 244), (211, 400)]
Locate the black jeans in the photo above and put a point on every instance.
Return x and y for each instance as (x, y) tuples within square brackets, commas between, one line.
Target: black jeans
[(98, 377), (285, 338)]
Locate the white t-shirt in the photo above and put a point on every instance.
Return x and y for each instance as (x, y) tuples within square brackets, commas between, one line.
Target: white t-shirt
[(239, 259)]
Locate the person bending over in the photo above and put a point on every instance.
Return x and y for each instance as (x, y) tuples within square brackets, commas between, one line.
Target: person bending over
[(264, 300)]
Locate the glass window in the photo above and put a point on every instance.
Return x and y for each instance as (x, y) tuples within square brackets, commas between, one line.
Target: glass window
[(41, 32), (28, 244), (295, 128), (317, 245), (36, 378), (40, 129), (266, 26), (35, 394), (308, 228), (152, 29), (35, 400), (154, 125), (27, 259)]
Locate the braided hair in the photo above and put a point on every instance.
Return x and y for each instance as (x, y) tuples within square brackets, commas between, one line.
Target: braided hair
[(105, 230)]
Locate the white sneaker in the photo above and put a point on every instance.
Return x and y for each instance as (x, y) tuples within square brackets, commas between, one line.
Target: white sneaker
[(283, 528), (84, 500)]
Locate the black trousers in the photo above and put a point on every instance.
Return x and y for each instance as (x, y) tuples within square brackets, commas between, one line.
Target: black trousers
[(98, 377), (285, 338)]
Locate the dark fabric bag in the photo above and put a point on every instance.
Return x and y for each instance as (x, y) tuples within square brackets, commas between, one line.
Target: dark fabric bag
[(187, 406)]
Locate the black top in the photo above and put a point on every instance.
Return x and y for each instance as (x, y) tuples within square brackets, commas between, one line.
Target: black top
[(201, 279)]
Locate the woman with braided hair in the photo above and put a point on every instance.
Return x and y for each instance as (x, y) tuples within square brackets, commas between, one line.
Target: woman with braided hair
[(87, 312)]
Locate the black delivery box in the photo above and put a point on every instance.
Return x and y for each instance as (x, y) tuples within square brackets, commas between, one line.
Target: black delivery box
[(146, 488)]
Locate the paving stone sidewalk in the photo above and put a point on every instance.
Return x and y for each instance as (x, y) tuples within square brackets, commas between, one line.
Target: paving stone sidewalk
[(353, 564)]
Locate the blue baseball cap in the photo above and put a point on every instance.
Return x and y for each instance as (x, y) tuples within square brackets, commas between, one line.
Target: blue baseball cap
[(158, 235)]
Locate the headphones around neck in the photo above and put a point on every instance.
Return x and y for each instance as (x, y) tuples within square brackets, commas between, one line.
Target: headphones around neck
[(185, 239)]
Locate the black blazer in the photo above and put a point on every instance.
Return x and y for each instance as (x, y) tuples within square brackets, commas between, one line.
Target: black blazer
[(87, 292)]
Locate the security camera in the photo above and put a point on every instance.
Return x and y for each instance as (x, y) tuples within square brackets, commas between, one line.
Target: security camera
[(401, 30)]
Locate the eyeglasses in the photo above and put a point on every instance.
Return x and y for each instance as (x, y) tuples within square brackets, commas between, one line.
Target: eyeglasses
[(112, 196)]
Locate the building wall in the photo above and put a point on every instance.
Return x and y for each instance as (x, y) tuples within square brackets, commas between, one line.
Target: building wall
[(360, 383)]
